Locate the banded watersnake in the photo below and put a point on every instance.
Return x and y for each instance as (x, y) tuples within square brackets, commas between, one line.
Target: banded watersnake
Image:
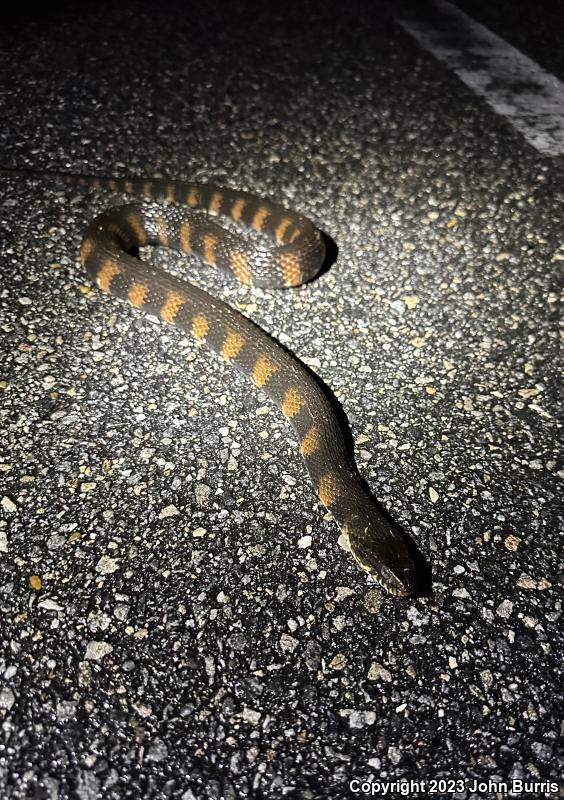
[(289, 251)]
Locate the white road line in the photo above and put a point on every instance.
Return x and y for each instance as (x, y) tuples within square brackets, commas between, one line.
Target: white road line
[(510, 82)]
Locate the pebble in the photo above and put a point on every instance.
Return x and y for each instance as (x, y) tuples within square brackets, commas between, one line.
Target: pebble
[(50, 605), (157, 751), (338, 662), (106, 565), (505, 609), (526, 582), (8, 505), (169, 511), (373, 600), (342, 592), (486, 678), (7, 698), (512, 543), (96, 651), (203, 492), (377, 672), (287, 643), (250, 715), (358, 719)]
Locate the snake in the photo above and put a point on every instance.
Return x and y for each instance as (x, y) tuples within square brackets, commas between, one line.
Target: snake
[(260, 243)]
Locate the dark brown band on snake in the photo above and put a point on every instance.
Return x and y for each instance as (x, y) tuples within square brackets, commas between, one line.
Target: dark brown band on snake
[(287, 250)]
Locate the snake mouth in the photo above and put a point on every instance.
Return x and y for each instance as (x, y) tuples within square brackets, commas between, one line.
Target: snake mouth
[(397, 576), (380, 550), (399, 582)]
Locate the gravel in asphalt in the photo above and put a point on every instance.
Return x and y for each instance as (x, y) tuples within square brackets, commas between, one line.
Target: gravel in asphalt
[(177, 619)]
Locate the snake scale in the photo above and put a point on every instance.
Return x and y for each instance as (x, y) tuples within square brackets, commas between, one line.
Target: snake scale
[(286, 250)]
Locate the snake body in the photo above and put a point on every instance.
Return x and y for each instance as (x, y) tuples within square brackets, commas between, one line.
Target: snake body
[(287, 250)]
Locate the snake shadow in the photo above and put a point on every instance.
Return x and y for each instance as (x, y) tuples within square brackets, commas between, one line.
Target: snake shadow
[(422, 567), (331, 255)]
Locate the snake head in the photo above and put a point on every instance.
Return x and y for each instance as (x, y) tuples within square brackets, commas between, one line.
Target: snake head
[(381, 552)]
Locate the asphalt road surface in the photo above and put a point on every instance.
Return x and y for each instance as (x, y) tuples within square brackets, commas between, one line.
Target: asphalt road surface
[(177, 618)]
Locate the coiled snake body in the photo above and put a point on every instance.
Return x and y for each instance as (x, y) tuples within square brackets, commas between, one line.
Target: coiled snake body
[(290, 252)]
